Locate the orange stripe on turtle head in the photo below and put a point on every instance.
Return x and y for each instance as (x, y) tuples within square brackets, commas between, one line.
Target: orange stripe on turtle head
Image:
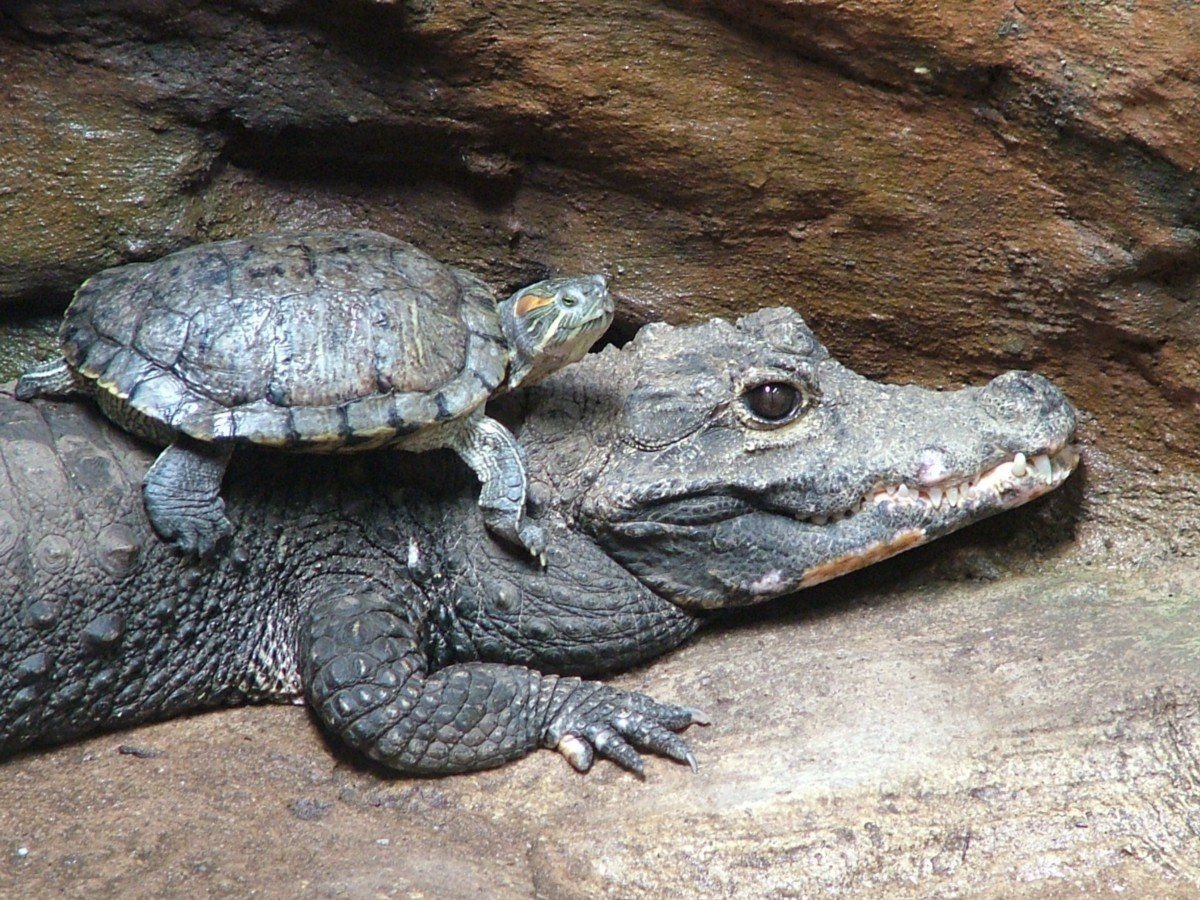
[(530, 302)]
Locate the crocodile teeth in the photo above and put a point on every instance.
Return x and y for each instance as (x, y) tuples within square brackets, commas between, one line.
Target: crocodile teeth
[(1041, 465), (1020, 476), (1018, 465)]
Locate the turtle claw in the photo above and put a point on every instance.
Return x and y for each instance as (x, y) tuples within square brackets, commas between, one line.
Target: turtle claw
[(198, 536), (533, 538), (539, 557)]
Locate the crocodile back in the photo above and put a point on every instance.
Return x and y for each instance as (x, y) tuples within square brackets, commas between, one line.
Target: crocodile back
[(101, 624)]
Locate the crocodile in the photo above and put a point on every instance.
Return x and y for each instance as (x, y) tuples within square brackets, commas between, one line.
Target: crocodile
[(694, 469)]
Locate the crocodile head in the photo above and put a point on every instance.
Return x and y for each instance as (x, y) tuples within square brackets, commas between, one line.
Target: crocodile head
[(743, 462)]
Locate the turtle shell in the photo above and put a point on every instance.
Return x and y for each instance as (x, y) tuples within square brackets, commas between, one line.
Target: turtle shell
[(294, 340)]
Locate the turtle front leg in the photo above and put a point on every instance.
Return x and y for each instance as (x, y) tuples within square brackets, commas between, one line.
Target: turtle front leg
[(495, 456), (182, 493), (52, 378)]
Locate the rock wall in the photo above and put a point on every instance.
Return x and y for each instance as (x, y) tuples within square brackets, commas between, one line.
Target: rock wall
[(943, 190)]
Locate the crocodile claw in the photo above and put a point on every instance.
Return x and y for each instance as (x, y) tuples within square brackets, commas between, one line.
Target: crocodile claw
[(576, 751), (597, 719)]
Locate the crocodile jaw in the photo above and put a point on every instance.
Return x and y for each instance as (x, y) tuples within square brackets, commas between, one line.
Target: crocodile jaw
[(1006, 485), (736, 553)]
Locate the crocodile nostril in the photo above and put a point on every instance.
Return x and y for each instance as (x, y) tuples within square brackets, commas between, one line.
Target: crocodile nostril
[(1014, 395)]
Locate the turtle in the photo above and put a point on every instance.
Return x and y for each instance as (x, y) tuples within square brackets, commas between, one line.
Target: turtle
[(315, 342)]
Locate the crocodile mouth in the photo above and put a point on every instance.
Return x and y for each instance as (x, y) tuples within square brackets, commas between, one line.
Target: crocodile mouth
[(1012, 482), (945, 505), (729, 549)]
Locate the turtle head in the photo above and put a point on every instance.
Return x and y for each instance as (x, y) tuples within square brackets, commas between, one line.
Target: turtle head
[(552, 323)]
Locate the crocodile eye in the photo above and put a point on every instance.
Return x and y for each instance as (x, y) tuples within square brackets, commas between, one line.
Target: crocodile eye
[(774, 402)]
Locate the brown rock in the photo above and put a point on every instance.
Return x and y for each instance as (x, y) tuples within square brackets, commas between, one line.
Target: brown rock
[(89, 179), (944, 193)]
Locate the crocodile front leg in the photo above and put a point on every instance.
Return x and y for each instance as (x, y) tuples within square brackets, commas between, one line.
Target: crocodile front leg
[(581, 614), (366, 677)]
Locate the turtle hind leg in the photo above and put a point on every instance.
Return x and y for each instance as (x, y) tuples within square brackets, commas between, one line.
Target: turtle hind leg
[(52, 378), (182, 493), (493, 453)]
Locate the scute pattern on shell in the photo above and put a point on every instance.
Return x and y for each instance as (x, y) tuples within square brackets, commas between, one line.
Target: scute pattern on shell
[(290, 340)]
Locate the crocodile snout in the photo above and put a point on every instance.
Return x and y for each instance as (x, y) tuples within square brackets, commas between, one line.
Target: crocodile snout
[(1023, 397)]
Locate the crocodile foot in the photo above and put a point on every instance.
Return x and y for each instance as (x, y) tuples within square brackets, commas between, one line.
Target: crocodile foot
[(596, 718)]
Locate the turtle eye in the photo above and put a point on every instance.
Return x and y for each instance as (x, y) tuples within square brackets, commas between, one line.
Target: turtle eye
[(570, 301), (774, 402)]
